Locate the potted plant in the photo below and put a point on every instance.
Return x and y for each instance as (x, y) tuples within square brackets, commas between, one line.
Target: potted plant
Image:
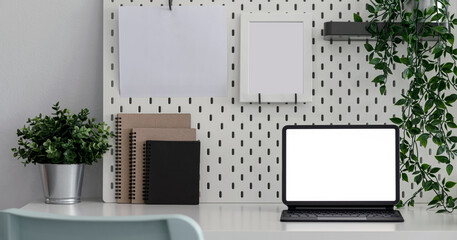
[(402, 30), (62, 144)]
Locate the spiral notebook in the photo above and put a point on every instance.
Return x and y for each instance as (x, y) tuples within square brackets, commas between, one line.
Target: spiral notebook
[(124, 124), (139, 138), (173, 169)]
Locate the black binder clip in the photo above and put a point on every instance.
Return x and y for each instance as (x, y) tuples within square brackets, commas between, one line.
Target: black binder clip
[(170, 2)]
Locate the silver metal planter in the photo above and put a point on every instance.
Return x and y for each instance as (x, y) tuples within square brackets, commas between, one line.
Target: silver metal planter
[(62, 183)]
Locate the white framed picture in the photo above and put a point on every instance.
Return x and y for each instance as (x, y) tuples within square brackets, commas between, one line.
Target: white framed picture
[(275, 61)]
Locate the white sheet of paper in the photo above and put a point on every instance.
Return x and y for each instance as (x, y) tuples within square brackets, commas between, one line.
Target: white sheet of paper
[(178, 53), (276, 58)]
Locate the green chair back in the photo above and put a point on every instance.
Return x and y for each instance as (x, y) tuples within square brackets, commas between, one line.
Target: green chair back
[(17, 224)]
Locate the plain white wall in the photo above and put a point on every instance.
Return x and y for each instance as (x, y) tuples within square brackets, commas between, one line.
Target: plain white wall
[(50, 50)]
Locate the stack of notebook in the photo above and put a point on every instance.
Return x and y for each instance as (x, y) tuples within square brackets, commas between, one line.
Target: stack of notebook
[(158, 159)]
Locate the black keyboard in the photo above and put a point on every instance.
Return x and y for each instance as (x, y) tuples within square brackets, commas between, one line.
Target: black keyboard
[(331, 215)]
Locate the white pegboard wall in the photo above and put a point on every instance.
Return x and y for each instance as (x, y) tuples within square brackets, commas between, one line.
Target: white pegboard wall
[(240, 143)]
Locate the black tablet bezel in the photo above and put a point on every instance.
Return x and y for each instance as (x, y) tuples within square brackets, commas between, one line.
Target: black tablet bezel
[(340, 203)]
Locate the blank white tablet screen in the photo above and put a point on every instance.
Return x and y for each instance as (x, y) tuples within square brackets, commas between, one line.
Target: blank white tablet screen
[(340, 164)]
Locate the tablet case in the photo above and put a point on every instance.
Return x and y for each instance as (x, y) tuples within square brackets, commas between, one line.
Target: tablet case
[(173, 172), (139, 138), (124, 124)]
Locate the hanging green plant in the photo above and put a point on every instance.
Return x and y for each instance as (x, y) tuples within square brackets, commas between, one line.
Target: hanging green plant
[(430, 68)]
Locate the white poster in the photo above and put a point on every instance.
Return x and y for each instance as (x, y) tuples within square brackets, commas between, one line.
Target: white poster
[(178, 53)]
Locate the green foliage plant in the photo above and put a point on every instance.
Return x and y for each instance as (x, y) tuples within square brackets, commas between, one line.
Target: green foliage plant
[(62, 138), (430, 68)]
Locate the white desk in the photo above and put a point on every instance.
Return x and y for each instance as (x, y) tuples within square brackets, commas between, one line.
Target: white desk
[(261, 221)]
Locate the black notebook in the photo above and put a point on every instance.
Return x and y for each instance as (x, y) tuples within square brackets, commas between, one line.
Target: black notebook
[(172, 172)]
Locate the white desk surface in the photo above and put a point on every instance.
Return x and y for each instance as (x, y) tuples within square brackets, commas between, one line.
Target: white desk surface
[(261, 221)]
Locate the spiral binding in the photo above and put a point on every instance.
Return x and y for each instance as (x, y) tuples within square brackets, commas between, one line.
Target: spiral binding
[(118, 162), (132, 162), (146, 165)]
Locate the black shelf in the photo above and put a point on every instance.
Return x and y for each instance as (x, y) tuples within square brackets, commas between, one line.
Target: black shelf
[(343, 31)]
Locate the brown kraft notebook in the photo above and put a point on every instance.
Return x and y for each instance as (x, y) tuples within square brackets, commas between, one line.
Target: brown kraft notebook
[(124, 124), (139, 138)]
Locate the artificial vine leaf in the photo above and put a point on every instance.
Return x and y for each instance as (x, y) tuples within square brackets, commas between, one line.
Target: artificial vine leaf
[(435, 200), (451, 98), (400, 102), (411, 203), (395, 57), (418, 179), (437, 140), (447, 67), (439, 104), (428, 67), (440, 29), (438, 50), (450, 184), (436, 186), (433, 123), (357, 18), (449, 169), (450, 38), (442, 159), (436, 17), (370, 8), (416, 121), (404, 176), (423, 138), (415, 131), (368, 47), (417, 109), (379, 79), (450, 202), (405, 61), (428, 185), (440, 150), (431, 10), (376, 61), (428, 105), (396, 120)]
